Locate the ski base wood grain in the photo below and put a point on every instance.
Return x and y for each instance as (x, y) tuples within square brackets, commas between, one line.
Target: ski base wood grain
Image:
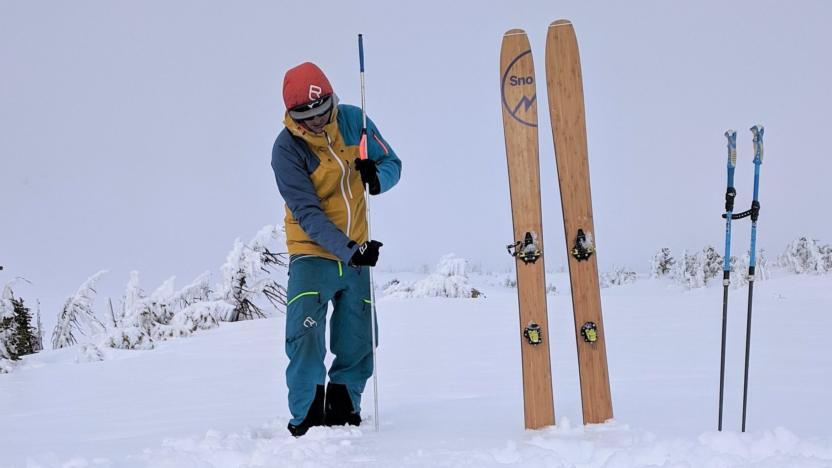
[(519, 104), (566, 108)]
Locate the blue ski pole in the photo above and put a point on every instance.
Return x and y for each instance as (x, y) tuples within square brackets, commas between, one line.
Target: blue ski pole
[(757, 130), (730, 195)]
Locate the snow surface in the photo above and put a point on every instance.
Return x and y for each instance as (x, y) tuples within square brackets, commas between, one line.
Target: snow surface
[(450, 389)]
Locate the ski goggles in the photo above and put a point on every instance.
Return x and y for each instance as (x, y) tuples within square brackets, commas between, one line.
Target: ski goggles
[(312, 109)]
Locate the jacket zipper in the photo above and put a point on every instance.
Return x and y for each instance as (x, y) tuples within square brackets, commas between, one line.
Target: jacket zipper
[(343, 191)]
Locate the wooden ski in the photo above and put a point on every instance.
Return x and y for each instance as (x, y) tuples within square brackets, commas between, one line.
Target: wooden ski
[(566, 108), (519, 104)]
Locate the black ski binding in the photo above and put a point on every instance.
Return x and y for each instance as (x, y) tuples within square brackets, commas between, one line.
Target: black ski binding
[(526, 250), (584, 247), (590, 332), (532, 333)]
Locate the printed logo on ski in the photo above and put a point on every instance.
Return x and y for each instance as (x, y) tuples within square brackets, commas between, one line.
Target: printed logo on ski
[(519, 91)]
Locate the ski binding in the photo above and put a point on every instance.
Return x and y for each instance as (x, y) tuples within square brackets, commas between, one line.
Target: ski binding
[(532, 333), (590, 332), (584, 246), (527, 249)]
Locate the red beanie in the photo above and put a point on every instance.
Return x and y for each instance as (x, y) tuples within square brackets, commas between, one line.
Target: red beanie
[(304, 83)]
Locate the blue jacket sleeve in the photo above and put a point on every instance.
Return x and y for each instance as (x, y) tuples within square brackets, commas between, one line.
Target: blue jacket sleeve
[(297, 191), (388, 164)]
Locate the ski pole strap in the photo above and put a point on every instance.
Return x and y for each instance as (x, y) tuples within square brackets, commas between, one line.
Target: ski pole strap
[(754, 212), (730, 195)]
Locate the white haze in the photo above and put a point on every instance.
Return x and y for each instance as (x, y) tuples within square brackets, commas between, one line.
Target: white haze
[(137, 135)]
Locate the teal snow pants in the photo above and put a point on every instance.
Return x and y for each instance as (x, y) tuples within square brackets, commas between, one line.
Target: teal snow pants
[(313, 283)]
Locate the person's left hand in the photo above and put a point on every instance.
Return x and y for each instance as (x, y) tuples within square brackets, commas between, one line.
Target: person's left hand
[(369, 174)]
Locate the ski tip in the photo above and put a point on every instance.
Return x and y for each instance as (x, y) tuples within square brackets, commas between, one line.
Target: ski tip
[(560, 22), (514, 32)]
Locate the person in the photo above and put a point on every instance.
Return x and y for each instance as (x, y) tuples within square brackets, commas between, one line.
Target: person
[(321, 178)]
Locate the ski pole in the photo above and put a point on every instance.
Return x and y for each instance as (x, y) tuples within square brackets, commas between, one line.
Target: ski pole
[(757, 130), (362, 151), (730, 195)]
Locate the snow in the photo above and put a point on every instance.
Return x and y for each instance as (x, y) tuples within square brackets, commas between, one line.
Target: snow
[(450, 388)]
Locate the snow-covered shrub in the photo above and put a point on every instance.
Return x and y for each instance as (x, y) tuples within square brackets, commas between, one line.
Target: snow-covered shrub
[(807, 256), (198, 291), (130, 338), (510, 281), (618, 277), (161, 302), (450, 279), (6, 365), (739, 269), (662, 264), (78, 316), (699, 269), (202, 315), (88, 352), (398, 288)]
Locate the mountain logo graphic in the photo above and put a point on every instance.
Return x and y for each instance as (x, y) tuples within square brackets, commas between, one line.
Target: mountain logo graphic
[(520, 106)]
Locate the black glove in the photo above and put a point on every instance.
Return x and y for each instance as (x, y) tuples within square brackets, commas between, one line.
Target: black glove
[(369, 174), (366, 255)]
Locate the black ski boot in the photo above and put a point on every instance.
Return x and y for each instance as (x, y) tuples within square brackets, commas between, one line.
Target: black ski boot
[(339, 411), (315, 416)]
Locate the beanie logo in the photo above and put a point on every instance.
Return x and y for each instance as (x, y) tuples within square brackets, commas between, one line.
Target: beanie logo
[(314, 92)]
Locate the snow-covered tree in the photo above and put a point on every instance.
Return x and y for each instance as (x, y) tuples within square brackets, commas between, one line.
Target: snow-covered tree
[(807, 256), (136, 324), (24, 335), (18, 336), (662, 264), (712, 264), (246, 275), (450, 279), (685, 271), (39, 335), (6, 321), (77, 315)]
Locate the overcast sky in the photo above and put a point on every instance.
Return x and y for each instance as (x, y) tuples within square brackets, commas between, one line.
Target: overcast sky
[(138, 135)]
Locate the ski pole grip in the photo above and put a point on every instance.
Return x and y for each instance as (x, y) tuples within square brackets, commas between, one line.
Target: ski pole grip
[(361, 51), (731, 135), (758, 130)]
